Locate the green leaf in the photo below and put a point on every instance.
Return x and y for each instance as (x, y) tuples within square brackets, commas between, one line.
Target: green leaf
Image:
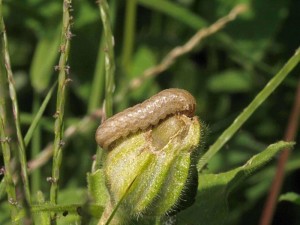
[(97, 188), (66, 214), (211, 206), (143, 59), (68, 210), (176, 11), (43, 62), (290, 197), (87, 14), (261, 23), (5, 213), (42, 218), (230, 81)]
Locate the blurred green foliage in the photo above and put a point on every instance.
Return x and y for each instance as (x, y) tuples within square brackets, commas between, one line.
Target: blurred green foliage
[(224, 73)]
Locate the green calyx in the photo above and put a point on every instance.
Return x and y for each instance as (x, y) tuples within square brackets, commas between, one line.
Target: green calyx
[(150, 171)]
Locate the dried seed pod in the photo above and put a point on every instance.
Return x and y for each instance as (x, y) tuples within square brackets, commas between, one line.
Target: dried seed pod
[(141, 116)]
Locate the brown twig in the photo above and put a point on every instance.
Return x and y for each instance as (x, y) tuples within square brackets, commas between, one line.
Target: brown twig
[(291, 131), (188, 46)]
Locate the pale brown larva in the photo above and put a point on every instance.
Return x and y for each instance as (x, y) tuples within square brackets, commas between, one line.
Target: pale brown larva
[(143, 115)]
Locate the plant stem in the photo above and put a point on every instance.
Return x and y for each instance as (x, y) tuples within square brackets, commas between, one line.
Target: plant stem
[(6, 151), (109, 57), (35, 148), (98, 81), (37, 118), (129, 32), (97, 88), (109, 67), (4, 140), (250, 109), (96, 96), (13, 96), (63, 68)]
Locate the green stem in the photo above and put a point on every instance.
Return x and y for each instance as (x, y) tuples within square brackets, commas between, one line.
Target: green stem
[(157, 221), (97, 88), (109, 57), (7, 182), (60, 101), (98, 81), (3, 188), (250, 109), (109, 66), (38, 117), (13, 96), (10, 186), (71, 208), (129, 32), (96, 96), (35, 148), (98, 163)]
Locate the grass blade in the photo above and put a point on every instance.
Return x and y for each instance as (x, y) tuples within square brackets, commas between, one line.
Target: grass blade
[(109, 57), (38, 116), (96, 96), (129, 35)]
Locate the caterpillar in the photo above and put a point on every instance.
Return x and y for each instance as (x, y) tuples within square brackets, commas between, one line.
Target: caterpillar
[(141, 116)]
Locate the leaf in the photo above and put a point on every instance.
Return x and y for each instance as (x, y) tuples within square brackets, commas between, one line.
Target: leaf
[(230, 81), (97, 188), (42, 218), (176, 11), (290, 197), (143, 59), (43, 62), (5, 213), (261, 23), (66, 214), (87, 14), (97, 191), (211, 206)]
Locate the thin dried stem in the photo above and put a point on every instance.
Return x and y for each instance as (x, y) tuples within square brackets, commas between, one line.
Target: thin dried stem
[(290, 134), (171, 57)]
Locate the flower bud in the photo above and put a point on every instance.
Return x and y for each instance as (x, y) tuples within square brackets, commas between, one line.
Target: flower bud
[(148, 172)]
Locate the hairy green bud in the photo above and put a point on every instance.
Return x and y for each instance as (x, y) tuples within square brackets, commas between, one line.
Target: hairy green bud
[(148, 172)]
